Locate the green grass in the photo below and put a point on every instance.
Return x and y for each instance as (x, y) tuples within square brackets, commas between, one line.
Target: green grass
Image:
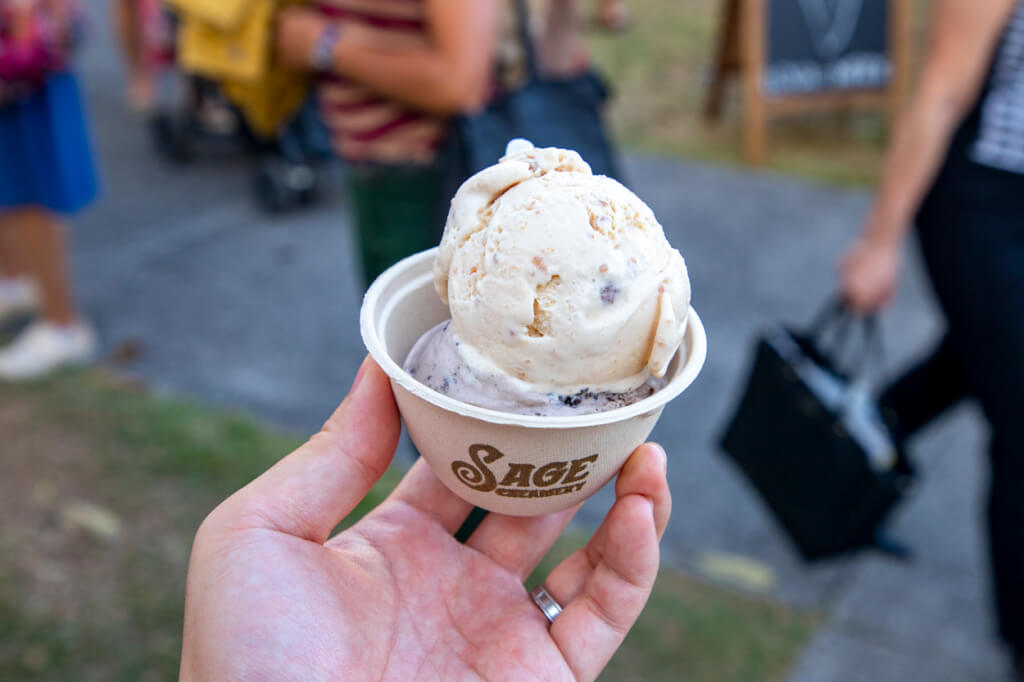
[(659, 71), (80, 605), (696, 632)]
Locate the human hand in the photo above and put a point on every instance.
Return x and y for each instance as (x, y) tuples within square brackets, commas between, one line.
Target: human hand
[(395, 597), (20, 18), (563, 52), (298, 30), (869, 274)]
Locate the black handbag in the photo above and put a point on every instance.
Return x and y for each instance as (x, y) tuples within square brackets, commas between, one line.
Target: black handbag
[(812, 443), (562, 112)]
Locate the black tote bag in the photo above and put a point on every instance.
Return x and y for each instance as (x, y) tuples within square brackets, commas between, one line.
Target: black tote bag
[(562, 112), (811, 443)]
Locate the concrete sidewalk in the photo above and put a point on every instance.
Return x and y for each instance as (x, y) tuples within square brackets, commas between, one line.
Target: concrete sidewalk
[(261, 314)]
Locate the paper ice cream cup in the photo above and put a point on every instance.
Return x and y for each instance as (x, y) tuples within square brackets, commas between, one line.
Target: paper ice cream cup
[(522, 465)]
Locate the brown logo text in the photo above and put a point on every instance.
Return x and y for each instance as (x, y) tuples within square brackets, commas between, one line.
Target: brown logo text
[(521, 480)]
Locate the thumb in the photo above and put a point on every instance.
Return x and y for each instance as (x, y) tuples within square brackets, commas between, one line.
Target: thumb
[(311, 490)]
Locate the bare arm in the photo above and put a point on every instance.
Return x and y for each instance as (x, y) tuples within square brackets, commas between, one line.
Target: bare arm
[(449, 74), (964, 36)]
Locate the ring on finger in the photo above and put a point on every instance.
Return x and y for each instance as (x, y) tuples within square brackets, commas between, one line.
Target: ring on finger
[(546, 603)]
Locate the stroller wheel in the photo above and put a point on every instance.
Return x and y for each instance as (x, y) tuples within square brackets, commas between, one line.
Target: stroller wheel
[(302, 179), (271, 192), (171, 137), (279, 186)]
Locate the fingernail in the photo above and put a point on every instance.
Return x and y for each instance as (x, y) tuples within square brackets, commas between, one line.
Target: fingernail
[(359, 375), (664, 455)]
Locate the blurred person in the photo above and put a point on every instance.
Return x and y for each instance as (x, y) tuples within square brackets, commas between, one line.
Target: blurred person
[(46, 171), (956, 168), (272, 596), (394, 73)]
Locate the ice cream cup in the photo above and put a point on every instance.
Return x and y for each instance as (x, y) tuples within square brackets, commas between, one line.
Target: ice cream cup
[(515, 464)]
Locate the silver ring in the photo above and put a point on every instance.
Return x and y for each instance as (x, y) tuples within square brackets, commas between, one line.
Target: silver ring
[(546, 603)]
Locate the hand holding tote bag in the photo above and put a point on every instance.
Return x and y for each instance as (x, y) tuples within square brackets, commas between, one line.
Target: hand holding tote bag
[(550, 112), (811, 442)]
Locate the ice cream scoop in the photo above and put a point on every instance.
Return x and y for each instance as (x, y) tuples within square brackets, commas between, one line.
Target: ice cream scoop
[(563, 290)]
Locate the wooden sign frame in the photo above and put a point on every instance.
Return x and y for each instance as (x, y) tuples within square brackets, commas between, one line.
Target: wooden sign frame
[(742, 48)]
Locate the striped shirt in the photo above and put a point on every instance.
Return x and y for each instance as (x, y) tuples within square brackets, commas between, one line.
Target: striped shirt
[(1000, 139), (367, 126)]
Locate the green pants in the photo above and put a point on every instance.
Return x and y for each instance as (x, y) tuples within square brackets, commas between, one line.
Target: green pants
[(398, 210)]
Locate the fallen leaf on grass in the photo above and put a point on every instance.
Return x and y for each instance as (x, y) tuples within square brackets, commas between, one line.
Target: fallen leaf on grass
[(737, 571), (89, 518)]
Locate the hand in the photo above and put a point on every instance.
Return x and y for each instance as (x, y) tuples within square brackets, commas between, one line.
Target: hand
[(298, 30), (870, 272), (20, 18), (395, 597), (562, 51)]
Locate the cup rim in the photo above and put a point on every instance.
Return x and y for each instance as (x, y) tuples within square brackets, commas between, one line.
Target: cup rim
[(696, 339)]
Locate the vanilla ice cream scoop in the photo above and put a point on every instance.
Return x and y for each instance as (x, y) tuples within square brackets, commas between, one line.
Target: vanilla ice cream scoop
[(559, 282)]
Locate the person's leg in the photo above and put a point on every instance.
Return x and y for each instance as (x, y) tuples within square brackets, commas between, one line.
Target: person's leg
[(974, 250), (365, 213), (924, 392), (12, 265), (1006, 537), (128, 32), (1001, 376), (395, 211), (41, 236), (17, 290), (60, 338)]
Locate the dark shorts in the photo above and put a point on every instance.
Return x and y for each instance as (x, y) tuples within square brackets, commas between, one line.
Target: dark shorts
[(399, 210)]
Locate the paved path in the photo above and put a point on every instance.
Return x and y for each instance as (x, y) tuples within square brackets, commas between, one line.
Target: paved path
[(246, 312)]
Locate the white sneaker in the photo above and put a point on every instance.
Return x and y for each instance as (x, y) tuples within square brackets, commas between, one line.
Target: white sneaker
[(45, 347), (18, 296)]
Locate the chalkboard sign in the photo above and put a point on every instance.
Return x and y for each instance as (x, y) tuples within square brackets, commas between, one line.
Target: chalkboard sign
[(795, 56), (826, 45)]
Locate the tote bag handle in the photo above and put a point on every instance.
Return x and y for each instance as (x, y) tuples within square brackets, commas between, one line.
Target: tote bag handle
[(835, 319)]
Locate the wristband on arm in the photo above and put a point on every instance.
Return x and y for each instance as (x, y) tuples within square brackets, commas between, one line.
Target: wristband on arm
[(322, 58)]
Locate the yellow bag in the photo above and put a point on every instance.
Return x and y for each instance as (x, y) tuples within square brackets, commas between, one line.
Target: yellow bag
[(272, 101), (223, 14), (239, 52), (231, 42)]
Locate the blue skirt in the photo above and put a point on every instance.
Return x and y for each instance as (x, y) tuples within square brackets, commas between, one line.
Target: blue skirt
[(45, 155)]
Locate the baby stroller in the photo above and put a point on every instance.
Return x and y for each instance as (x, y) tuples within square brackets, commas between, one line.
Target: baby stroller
[(239, 98), (289, 168)]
